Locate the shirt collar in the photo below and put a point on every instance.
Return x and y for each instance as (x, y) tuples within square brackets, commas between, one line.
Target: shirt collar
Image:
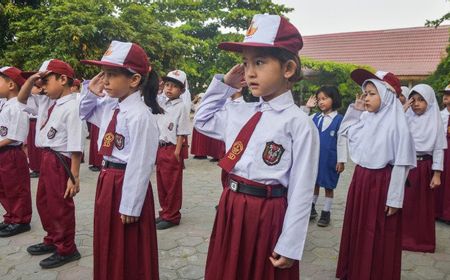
[(129, 102), (279, 103), (331, 115), (173, 102), (66, 98)]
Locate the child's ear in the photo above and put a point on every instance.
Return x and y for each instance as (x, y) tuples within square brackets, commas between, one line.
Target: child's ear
[(11, 85), (289, 68), (64, 80), (135, 80)]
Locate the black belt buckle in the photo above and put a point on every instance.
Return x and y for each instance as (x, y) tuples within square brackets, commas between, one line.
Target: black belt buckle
[(234, 186)]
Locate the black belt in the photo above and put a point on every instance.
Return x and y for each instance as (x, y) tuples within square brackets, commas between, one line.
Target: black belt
[(266, 191), (10, 147), (114, 165), (165, 144), (424, 157)]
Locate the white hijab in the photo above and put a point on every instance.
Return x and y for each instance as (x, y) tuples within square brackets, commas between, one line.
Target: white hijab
[(427, 129), (381, 138)]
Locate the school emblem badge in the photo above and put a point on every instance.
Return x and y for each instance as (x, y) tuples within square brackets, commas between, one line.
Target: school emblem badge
[(251, 30), (108, 139), (272, 153), (236, 149), (3, 131), (51, 133), (119, 140), (170, 127)]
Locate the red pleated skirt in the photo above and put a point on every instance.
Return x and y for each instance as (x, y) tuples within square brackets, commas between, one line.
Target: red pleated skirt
[(371, 242), (123, 251), (199, 145), (95, 159), (418, 232), (442, 193), (216, 148), (245, 232)]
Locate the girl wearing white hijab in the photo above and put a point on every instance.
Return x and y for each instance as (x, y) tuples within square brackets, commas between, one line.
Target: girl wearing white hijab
[(443, 192), (382, 147), (424, 121)]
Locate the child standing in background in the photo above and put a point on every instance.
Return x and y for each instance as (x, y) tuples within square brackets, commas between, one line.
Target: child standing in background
[(174, 126), (424, 121), (327, 121)]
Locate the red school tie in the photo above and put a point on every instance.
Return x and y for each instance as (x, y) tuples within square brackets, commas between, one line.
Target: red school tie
[(49, 112), (108, 139), (448, 127), (240, 143)]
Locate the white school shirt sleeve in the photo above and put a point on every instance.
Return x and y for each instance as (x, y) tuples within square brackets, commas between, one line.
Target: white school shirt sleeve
[(91, 106), (438, 160), (210, 119), (342, 148), (396, 191), (18, 123), (144, 137), (75, 141), (184, 123), (305, 155)]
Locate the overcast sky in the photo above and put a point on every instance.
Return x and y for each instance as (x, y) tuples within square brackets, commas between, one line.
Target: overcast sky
[(313, 17)]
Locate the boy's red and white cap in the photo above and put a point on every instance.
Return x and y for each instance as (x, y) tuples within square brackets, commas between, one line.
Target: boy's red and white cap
[(268, 31), (125, 55), (361, 75), (446, 90), (15, 74), (57, 66), (176, 76)]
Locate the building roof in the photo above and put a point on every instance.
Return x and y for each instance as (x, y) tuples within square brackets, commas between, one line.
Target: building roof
[(405, 52)]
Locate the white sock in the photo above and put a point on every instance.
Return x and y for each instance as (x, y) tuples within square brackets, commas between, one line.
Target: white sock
[(315, 197), (327, 204)]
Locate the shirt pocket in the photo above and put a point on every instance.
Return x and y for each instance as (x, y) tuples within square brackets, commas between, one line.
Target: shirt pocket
[(274, 154)]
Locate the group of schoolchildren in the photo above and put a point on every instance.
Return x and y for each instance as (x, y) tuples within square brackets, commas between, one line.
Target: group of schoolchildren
[(274, 162)]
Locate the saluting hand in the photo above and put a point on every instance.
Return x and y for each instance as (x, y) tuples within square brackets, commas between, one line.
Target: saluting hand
[(359, 102), (312, 102), (280, 261), (235, 77), (72, 189), (408, 104), (96, 85)]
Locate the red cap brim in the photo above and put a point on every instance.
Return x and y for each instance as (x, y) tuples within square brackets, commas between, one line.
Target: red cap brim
[(102, 63), (27, 74), (239, 47), (361, 75)]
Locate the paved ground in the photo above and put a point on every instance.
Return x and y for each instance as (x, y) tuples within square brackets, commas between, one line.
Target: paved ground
[(183, 249)]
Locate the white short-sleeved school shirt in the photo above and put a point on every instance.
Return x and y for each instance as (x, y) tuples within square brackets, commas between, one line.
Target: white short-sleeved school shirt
[(174, 122), (13, 122), (63, 131)]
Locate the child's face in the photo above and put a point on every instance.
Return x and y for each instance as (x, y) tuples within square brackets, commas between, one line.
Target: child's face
[(446, 99), (264, 74), (4, 87), (372, 100), (324, 102), (419, 105), (402, 99), (117, 84), (53, 86), (172, 90)]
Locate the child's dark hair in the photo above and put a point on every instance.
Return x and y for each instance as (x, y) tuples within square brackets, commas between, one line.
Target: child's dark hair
[(284, 56), (8, 79), (149, 86), (333, 93), (446, 93)]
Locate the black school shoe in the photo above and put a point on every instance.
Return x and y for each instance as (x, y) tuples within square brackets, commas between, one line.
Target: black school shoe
[(94, 168), (158, 220), (163, 224), (14, 229), (313, 214), (324, 220), (40, 249), (3, 225), (56, 260)]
